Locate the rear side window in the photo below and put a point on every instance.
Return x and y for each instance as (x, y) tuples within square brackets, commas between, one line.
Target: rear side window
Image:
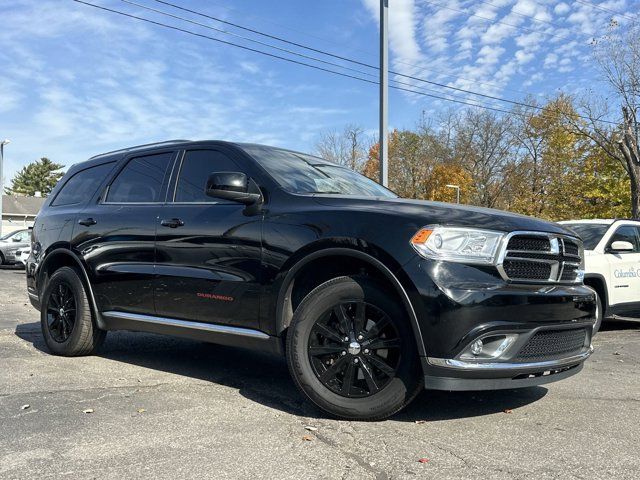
[(196, 168), (140, 181), (629, 234), (82, 185)]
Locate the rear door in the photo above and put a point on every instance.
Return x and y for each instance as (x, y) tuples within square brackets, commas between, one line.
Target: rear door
[(115, 235), (208, 249), (625, 272)]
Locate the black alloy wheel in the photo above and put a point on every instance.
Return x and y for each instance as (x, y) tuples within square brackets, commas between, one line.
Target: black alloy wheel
[(67, 321), (354, 349), (61, 312)]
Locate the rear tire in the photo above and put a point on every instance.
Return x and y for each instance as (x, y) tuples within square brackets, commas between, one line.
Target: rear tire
[(66, 319), (335, 354)]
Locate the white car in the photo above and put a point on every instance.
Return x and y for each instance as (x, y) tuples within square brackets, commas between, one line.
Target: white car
[(22, 256), (612, 265)]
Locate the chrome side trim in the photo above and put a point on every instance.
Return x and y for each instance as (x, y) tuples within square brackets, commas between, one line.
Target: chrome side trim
[(172, 322), (502, 366)]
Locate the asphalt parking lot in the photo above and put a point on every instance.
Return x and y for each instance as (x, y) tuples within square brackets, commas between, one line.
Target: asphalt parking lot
[(170, 408)]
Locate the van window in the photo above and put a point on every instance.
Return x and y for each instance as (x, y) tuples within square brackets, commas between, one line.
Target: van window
[(82, 185), (196, 168), (140, 181)]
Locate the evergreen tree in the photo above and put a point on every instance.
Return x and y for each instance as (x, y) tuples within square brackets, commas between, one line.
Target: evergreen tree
[(39, 176)]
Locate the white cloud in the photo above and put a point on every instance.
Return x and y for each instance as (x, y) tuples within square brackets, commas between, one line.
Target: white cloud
[(523, 57), (561, 8)]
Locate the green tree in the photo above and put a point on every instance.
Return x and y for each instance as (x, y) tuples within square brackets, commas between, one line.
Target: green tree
[(39, 176)]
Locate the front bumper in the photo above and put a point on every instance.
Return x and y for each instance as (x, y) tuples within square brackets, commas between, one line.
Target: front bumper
[(458, 304), (451, 374)]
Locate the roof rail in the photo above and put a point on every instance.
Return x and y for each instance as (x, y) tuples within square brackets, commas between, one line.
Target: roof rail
[(137, 147)]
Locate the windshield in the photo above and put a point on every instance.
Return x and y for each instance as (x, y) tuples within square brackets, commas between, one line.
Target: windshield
[(300, 173), (589, 233), (9, 235)]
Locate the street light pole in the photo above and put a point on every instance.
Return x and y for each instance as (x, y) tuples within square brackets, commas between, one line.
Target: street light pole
[(2, 144), (384, 93), (457, 187)]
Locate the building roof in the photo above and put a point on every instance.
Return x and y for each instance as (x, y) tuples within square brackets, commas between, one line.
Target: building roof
[(17, 205)]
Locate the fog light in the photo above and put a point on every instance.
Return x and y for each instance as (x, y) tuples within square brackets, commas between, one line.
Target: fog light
[(476, 347)]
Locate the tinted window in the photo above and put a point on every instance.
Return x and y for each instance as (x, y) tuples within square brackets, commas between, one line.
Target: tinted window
[(196, 168), (301, 173), (82, 185), (590, 233), (626, 233), (140, 180)]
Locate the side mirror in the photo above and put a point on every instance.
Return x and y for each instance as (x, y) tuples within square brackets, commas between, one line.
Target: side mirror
[(621, 246), (234, 186), (16, 239)]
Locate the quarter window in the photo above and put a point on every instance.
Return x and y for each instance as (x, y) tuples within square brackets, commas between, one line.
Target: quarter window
[(141, 180), (82, 185), (196, 168), (629, 234)]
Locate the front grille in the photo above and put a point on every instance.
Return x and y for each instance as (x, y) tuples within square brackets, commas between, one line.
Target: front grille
[(528, 270), (553, 345), (531, 243), (571, 248), (569, 273), (540, 257)]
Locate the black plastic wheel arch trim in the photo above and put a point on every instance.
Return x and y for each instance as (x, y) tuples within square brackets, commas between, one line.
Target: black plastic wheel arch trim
[(326, 252)]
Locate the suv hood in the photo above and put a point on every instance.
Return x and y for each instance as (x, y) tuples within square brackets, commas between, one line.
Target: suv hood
[(426, 213)]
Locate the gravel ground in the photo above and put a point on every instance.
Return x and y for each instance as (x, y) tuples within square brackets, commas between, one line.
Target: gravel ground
[(170, 408)]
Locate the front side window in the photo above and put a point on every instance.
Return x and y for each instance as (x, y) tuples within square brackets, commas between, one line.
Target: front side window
[(196, 167), (627, 233), (589, 233), (141, 180), (82, 185), (301, 173)]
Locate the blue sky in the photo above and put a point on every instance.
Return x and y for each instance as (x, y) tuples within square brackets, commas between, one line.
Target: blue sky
[(76, 81)]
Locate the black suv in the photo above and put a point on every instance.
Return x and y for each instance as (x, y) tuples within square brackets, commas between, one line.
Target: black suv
[(371, 297)]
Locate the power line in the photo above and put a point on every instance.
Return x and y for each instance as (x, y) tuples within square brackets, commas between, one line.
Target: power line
[(491, 20), (316, 67), (535, 19), (308, 57), (606, 9), (340, 57), (306, 47)]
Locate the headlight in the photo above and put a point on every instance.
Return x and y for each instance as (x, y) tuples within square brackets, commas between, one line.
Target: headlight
[(464, 245)]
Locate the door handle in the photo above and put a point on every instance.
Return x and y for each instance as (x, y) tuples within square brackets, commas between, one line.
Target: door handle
[(172, 223), (87, 222)]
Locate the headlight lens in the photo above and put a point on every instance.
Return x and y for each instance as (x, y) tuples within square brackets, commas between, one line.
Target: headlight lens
[(465, 245)]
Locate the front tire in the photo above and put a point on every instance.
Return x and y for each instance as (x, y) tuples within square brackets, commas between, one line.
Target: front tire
[(599, 313), (351, 350), (66, 318)]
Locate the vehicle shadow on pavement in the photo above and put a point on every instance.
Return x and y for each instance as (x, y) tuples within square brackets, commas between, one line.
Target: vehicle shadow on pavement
[(265, 378), (613, 325), (15, 268)]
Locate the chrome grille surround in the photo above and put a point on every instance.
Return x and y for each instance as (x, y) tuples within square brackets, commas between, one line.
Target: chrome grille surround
[(559, 263)]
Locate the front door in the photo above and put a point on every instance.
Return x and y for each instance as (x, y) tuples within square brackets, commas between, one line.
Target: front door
[(116, 235), (625, 272), (208, 250)]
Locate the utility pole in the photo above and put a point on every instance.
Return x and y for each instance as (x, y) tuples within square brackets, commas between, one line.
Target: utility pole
[(2, 144), (383, 153), (457, 187)]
